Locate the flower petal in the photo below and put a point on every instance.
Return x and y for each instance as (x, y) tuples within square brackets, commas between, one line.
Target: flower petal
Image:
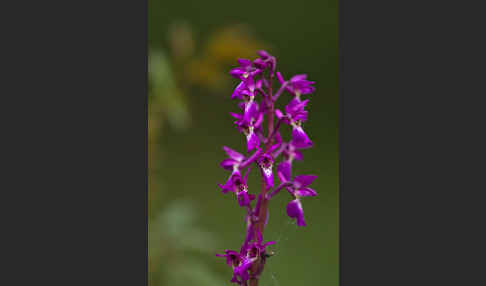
[(263, 54), (298, 155), (259, 63), (280, 78), (228, 186), (294, 210), (237, 91), (233, 154), (298, 77), (244, 63), (268, 176), (242, 269), (243, 198), (251, 111), (300, 139), (259, 120), (236, 115), (252, 141), (306, 192), (271, 242), (283, 171), (228, 164), (304, 180), (237, 72)]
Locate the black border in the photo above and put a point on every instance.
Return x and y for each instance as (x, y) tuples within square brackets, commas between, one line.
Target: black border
[(409, 143), (81, 142)]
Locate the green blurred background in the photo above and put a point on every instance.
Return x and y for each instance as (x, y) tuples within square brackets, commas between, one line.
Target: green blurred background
[(192, 46)]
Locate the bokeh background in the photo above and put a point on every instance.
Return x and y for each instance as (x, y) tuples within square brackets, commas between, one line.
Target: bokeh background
[(192, 46)]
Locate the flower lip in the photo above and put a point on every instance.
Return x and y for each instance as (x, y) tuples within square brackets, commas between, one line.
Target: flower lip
[(295, 210)]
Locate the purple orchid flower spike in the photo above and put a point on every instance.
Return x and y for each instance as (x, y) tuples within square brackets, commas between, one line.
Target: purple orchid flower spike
[(257, 79)]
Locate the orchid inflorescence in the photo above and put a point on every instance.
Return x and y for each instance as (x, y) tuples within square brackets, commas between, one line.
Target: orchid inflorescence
[(257, 79)]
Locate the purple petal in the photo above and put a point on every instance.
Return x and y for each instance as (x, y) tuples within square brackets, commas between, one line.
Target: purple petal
[(259, 120), (298, 155), (271, 242), (300, 139), (242, 269), (259, 63), (274, 147), (244, 63), (294, 210), (233, 154), (237, 72), (300, 116), (298, 77), (280, 78), (243, 198), (236, 115), (268, 175), (252, 141), (304, 180), (294, 102), (250, 83), (238, 89), (232, 257), (306, 192), (229, 185), (259, 84), (228, 164), (263, 54), (283, 171), (296, 109), (278, 113), (251, 111)]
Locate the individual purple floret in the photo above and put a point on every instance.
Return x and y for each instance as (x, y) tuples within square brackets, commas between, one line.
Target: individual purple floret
[(245, 70), (298, 189), (257, 109), (297, 85)]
